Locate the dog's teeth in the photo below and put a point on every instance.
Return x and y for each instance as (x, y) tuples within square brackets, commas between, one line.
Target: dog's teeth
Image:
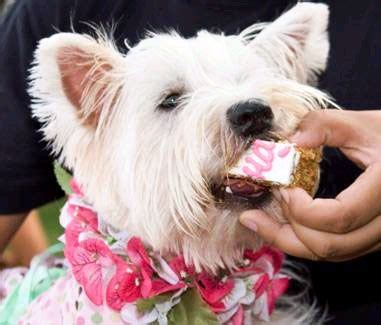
[(228, 190)]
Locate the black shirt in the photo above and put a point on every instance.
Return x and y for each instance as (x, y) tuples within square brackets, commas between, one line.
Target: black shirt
[(353, 78)]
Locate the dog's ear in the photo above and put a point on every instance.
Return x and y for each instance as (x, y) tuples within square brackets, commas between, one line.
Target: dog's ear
[(297, 42), (84, 71), (77, 87)]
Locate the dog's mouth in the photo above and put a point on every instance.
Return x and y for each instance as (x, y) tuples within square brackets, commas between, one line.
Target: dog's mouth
[(243, 187), (240, 192)]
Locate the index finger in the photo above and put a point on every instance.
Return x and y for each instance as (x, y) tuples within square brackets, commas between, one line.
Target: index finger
[(326, 127), (351, 209)]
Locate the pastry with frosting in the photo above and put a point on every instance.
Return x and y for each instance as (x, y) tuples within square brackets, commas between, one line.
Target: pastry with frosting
[(275, 164)]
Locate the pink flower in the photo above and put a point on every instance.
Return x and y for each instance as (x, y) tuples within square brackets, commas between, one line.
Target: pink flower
[(213, 290), (127, 285), (137, 253), (272, 256), (275, 289), (84, 214), (267, 262), (237, 319), (131, 283), (75, 187), (87, 261), (183, 271), (160, 286), (73, 230), (83, 220), (135, 280), (272, 287)]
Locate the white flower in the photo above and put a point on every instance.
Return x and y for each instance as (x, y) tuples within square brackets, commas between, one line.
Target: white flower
[(164, 270), (265, 265), (241, 294), (260, 309), (119, 248), (164, 307), (227, 315), (65, 216), (238, 292), (131, 315)]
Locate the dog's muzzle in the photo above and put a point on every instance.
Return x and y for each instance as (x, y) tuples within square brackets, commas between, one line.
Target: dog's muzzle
[(250, 118)]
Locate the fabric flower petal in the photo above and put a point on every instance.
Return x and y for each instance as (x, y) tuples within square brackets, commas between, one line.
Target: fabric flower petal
[(159, 287), (131, 315), (179, 266), (237, 293), (238, 317), (276, 288), (137, 252), (164, 271), (261, 309), (213, 290), (261, 285), (87, 268)]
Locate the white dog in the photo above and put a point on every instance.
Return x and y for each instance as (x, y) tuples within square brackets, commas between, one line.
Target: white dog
[(150, 136)]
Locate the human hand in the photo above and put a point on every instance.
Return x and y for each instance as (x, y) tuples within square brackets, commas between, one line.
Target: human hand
[(336, 229)]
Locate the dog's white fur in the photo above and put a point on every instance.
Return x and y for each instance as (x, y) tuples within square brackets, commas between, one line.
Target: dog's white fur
[(150, 171)]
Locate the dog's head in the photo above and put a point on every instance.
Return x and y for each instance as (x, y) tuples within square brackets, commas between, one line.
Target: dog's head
[(151, 134)]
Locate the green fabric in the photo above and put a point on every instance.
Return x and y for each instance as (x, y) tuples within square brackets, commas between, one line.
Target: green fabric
[(38, 279), (63, 178), (191, 310)]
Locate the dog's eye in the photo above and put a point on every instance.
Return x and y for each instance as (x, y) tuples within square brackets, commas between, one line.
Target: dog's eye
[(170, 102)]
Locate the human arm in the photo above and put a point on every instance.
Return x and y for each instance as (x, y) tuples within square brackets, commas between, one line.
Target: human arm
[(9, 224), (332, 229)]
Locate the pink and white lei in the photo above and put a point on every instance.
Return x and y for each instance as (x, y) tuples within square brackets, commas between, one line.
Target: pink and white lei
[(116, 270)]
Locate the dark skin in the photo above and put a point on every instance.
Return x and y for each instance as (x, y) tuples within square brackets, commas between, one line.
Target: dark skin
[(341, 228), (9, 224)]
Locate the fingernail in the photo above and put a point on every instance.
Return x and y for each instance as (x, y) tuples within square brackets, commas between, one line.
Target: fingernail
[(247, 222), (285, 195)]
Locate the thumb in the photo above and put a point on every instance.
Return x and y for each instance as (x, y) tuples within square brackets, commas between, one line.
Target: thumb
[(261, 223), (275, 234), (323, 128)]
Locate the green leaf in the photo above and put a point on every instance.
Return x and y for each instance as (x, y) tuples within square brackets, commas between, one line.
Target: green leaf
[(191, 310), (144, 305), (63, 178)]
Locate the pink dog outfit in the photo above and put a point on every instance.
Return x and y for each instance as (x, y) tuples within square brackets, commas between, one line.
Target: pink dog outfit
[(110, 277)]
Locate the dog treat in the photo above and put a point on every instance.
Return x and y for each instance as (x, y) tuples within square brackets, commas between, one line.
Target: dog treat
[(276, 164)]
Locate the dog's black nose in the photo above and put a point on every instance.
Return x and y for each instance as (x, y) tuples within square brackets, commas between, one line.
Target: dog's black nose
[(250, 118)]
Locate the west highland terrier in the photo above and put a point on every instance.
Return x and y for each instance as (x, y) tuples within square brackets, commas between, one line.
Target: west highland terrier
[(150, 136)]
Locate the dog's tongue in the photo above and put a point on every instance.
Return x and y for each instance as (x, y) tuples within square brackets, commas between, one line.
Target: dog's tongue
[(244, 188)]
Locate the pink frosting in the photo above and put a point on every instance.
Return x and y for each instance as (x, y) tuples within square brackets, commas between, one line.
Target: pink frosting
[(265, 151), (284, 152)]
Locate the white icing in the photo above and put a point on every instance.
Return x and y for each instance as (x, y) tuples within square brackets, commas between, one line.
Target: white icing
[(281, 167)]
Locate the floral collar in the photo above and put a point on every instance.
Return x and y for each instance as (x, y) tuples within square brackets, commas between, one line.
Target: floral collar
[(116, 270)]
